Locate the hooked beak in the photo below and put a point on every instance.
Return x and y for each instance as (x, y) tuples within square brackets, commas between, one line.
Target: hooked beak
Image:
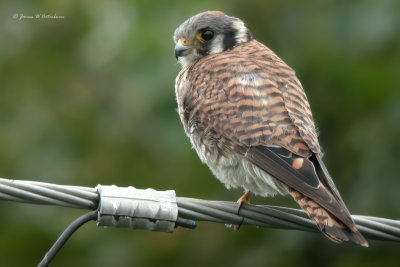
[(181, 49)]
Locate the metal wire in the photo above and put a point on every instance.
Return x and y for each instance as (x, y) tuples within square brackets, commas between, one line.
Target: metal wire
[(49, 256), (48, 194), (195, 209), (278, 217)]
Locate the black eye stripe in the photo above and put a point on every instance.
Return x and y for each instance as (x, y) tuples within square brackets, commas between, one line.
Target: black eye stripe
[(229, 40), (207, 35)]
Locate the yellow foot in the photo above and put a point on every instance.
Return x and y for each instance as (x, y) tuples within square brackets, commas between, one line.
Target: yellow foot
[(245, 199)]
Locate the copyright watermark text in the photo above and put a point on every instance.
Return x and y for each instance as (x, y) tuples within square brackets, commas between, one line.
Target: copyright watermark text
[(21, 16)]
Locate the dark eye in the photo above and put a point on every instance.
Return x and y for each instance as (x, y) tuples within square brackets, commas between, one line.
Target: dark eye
[(207, 35)]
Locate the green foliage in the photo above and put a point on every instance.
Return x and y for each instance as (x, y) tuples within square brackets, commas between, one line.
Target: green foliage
[(89, 99)]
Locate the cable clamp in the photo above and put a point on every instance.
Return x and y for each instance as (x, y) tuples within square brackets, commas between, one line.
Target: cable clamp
[(146, 209)]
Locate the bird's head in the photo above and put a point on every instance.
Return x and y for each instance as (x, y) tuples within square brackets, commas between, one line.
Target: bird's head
[(208, 33)]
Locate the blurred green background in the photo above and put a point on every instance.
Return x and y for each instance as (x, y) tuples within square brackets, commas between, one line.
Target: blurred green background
[(89, 99)]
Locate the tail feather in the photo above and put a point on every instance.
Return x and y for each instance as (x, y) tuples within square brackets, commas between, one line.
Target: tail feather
[(327, 223)]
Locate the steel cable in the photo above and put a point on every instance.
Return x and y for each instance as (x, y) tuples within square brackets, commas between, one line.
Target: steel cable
[(194, 209)]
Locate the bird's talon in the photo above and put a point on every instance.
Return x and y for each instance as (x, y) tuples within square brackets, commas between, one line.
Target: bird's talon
[(245, 199), (236, 227)]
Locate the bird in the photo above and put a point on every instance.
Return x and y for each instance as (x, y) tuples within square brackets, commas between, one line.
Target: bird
[(249, 119)]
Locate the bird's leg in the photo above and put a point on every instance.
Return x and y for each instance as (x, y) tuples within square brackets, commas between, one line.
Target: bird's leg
[(245, 199)]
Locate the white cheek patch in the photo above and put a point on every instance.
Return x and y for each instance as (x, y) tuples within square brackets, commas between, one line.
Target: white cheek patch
[(216, 45), (241, 35)]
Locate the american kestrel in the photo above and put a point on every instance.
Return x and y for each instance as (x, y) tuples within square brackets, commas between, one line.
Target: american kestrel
[(249, 120)]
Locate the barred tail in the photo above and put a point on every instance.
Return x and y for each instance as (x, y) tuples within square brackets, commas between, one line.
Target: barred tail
[(327, 223)]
